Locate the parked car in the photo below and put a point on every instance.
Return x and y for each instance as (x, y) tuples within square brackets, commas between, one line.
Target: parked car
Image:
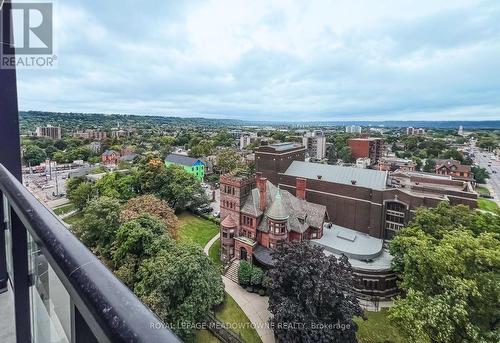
[(204, 209)]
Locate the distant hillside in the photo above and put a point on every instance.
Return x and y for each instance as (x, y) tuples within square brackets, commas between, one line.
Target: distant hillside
[(29, 120)]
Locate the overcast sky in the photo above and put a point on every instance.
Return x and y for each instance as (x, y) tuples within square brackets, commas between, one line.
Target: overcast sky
[(274, 60)]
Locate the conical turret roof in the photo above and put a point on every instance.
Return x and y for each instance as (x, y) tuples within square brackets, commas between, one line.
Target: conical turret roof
[(229, 222), (277, 210)]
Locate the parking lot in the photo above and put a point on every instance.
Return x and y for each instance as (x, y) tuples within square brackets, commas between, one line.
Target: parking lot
[(48, 188), (213, 194)]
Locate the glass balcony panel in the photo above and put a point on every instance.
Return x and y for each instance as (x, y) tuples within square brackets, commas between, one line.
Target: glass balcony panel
[(8, 239), (50, 302)]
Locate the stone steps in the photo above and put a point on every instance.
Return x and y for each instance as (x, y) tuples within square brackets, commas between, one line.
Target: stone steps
[(232, 271)]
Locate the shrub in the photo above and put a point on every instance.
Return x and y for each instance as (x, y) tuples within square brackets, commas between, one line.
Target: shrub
[(266, 281), (244, 273), (262, 292), (256, 276)]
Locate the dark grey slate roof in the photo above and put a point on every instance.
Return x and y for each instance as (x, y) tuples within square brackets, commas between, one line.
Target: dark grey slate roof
[(263, 255), (181, 159), (368, 178), (301, 214)]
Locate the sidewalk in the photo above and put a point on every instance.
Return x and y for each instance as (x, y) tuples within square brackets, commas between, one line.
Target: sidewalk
[(69, 214), (210, 243), (254, 305)]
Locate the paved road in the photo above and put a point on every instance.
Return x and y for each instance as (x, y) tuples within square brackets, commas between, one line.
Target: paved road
[(484, 160), (215, 205)]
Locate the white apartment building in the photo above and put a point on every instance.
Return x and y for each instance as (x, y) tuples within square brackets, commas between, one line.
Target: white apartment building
[(353, 129), (315, 143)]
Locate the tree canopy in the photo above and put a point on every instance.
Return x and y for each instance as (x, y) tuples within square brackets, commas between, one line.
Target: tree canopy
[(34, 155), (136, 240), (79, 192), (312, 290), (97, 229), (173, 184), (153, 206), (180, 285), (448, 261), (176, 280), (480, 174), (229, 161)]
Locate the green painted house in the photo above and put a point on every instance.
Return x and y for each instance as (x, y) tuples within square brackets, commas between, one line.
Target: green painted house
[(191, 165)]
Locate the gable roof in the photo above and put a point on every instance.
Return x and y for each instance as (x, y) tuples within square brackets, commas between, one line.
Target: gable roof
[(452, 163), (182, 160), (300, 213), (368, 178), (109, 153)]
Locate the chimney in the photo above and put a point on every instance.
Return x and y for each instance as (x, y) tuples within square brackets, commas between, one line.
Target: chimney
[(261, 184), (300, 188), (353, 182), (319, 177)]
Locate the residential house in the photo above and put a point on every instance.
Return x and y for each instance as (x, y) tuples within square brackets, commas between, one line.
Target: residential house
[(191, 165), (455, 169), (110, 157)]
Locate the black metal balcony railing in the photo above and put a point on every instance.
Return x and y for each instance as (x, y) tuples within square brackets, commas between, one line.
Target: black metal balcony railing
[(62, 292)]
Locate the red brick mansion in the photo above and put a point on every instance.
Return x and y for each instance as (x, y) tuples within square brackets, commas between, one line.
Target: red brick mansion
[(257, 219)]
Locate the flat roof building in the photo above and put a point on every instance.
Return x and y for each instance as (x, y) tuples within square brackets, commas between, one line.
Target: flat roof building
[(53, 132), (366, 147), (315, 143)]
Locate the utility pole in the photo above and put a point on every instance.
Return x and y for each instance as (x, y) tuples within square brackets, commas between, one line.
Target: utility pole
[(57, 184)]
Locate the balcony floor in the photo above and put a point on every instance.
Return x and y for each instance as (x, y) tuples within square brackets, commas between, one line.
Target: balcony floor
[(7, 329)]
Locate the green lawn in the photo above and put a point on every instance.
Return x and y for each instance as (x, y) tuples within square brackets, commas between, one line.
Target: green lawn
[(482, 190), (205, 336), (71, 220), (487, 205), (377, 329), (214, 253), (232, 313), (196, 229), (64, 209)]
